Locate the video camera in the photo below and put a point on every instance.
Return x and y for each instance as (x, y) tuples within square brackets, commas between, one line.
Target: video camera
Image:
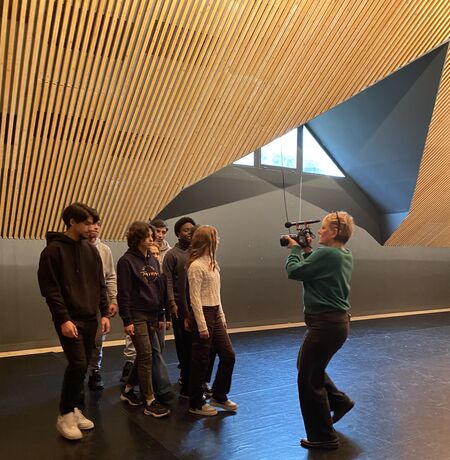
[(303, 232)]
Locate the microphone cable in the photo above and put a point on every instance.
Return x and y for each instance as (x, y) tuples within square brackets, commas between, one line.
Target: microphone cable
[(284, 190)]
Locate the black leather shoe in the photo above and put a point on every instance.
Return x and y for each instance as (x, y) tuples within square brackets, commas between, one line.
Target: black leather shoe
[(340, 412), (95, 381), (326, 445)]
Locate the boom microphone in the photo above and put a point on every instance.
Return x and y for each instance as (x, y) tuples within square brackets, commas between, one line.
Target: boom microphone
[(302, 222)]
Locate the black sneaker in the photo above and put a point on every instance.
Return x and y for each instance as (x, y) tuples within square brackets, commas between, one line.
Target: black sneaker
[(130, 397), (324, 445), (126, 371), (156, 409), (95, 381)]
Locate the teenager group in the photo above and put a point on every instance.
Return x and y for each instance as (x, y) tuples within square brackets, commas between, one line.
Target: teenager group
[(77, 279)]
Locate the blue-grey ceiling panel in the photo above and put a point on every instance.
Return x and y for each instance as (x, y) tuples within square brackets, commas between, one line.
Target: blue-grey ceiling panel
[(378, 136)]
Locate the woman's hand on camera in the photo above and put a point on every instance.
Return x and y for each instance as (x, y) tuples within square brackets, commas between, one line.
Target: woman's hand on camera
[(308, 248), (291, 242)]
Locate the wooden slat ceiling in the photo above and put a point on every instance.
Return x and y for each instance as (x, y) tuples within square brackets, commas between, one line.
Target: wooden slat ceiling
[(122, 104)]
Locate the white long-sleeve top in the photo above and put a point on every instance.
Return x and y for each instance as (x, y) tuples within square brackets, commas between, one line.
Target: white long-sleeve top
[(204, 289)]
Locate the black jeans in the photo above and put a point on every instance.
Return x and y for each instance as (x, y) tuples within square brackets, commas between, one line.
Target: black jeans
[(183, 345), (318, 395), (78, 353), (201, 357), (211, 365)]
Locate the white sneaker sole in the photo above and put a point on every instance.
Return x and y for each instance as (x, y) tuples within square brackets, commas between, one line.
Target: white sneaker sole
[(223, 406), (87, 426), (200, 412), (74, 437), (147, 412)]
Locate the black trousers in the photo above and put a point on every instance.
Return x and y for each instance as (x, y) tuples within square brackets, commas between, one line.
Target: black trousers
[(78, 353), (318, 395), (183, 345), (201, 358), (211, 365)]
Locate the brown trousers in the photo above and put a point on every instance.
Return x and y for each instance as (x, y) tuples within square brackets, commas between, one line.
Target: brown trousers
[(201, 356)]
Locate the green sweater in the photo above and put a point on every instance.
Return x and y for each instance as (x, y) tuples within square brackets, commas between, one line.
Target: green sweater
[(326, 274)]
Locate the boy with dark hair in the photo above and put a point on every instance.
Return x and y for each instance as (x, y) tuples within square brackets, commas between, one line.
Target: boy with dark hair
[(95, 381), (71, 279), (129, 353), (174, 268), (161, 229), (142, 300)]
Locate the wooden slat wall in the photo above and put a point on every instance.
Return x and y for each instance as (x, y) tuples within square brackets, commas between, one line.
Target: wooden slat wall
[(123, 103), (428, 223)]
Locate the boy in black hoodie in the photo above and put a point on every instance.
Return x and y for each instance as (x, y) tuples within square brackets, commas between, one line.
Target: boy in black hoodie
[(142, 299), (71, 279)]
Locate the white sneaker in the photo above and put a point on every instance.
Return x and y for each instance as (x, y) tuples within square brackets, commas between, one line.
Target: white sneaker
[(227, 405), (67, 426), (82, 422), (205, 410)]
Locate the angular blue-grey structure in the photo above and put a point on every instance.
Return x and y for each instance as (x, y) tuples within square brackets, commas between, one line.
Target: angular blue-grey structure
[(378, 136)]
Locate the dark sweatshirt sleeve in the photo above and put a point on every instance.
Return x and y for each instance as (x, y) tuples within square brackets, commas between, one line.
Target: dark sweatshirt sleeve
[(104, 300), (304, 267), (169, 266), (49, 284), (182, 294), (124, 287)]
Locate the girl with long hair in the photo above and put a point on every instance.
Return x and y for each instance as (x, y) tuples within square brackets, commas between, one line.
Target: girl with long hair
[(208, 325)]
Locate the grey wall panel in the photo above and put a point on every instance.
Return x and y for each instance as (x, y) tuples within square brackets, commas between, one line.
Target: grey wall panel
[(255, 289), (234, 184), (24, 316)]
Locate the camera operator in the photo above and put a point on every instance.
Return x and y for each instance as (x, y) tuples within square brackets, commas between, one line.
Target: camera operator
[(325, 273)]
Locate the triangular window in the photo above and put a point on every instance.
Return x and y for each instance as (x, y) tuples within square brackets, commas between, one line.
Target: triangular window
[(248, 160), (281, 151), (315, 159)]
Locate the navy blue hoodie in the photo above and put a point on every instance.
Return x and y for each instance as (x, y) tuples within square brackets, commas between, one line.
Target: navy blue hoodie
[(71, 279), (141, 291)]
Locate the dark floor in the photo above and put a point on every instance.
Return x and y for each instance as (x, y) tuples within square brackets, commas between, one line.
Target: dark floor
[(397, 370)]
